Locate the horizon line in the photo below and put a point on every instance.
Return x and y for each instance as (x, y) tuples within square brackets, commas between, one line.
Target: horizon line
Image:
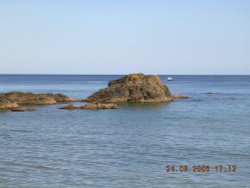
[(63, 74)]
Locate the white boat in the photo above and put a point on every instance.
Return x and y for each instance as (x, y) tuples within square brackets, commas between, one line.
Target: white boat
[(170, 78)]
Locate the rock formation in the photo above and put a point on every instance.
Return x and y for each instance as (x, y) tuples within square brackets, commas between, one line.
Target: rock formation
[(13, 100), (134, 88), (91, 106), (37, 99), (6, 104), (97, 106)]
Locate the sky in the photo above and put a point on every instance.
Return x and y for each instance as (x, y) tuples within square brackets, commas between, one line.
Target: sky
[(125, 36)]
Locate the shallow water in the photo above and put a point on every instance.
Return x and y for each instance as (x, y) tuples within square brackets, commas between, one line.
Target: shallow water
[(131, 146)]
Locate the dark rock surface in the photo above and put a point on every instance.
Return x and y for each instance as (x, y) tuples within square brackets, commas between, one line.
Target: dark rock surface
[(23, 110), (69, 107), (212, 93)]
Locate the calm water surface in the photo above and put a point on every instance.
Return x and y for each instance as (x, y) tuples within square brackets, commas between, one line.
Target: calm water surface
[(131, 146)]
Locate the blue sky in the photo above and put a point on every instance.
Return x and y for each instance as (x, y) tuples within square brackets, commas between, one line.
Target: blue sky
[(125, 36)]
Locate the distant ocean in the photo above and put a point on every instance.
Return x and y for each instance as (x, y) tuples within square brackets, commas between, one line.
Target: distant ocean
[(131, 146)]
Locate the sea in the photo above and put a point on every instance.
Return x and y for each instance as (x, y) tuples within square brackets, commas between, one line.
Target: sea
[(202, 141)]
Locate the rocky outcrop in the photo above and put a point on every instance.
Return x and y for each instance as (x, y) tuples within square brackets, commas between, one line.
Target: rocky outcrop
[(37, 99), (6, 104), (99, 106), (60, 98), (134, 88), (91, 106), (13, 100)]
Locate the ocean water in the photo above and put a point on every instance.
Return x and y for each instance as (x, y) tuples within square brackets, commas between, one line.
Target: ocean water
[(131, 146)]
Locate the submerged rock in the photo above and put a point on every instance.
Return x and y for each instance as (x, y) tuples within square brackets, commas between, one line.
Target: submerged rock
[(93, 106), (179, 97), (133, 88), (212, 93), (69, 107), (23, 110)]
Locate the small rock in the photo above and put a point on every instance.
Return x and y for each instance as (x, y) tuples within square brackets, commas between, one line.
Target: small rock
[(179, 97), (212, 93), (69, 107), (23, 110), (97, 106)]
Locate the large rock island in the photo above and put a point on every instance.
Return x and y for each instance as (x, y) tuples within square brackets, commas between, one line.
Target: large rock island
[(134, 88)]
